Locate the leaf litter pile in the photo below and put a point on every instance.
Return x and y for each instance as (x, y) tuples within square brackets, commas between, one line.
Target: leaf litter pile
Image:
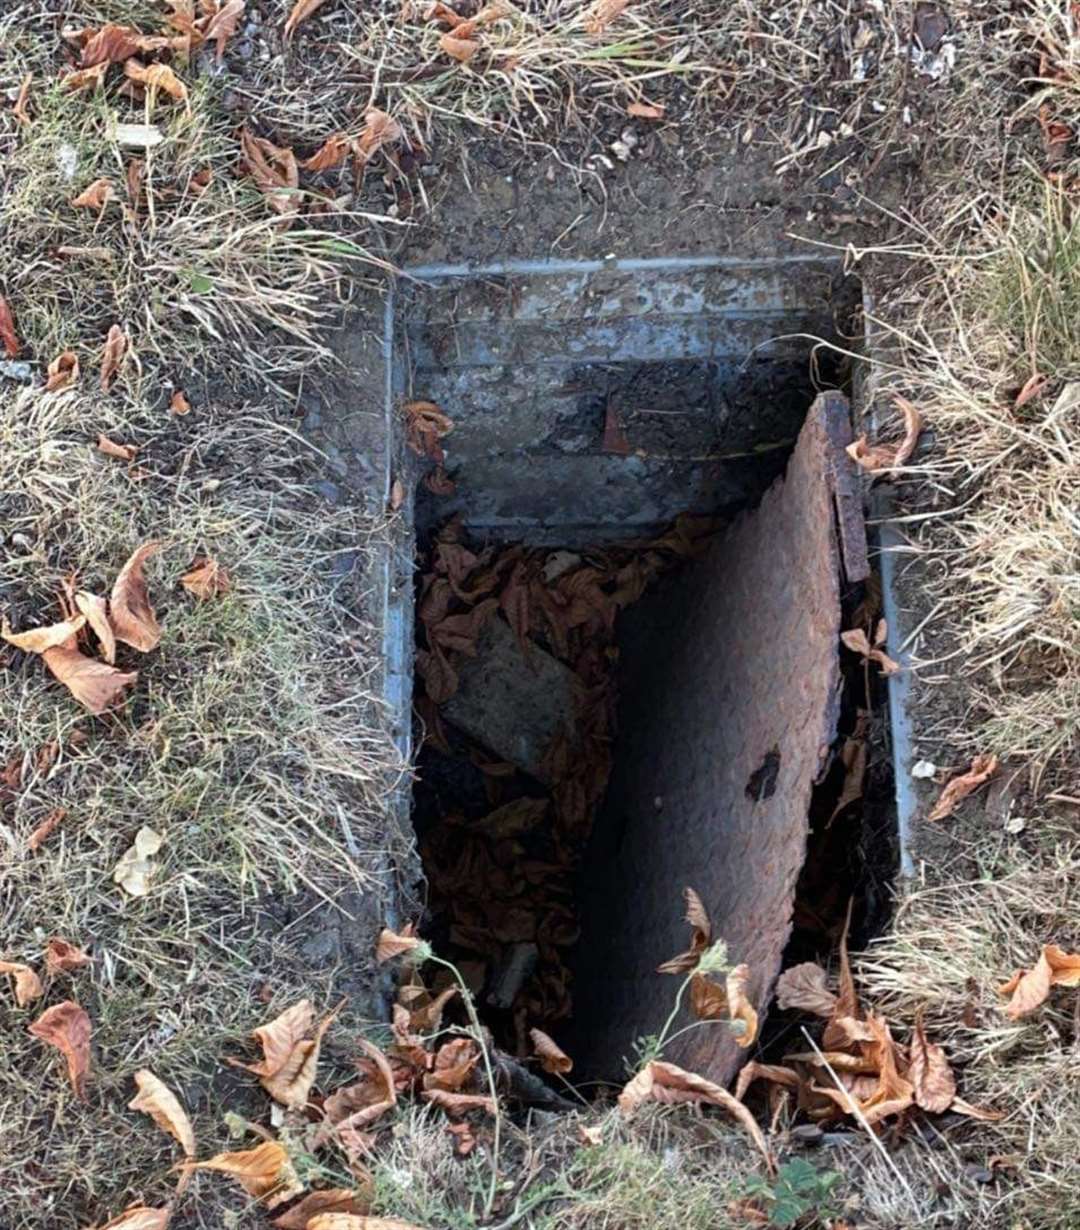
[(500, 847)]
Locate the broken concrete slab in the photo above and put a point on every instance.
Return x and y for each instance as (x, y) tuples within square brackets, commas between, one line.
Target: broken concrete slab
[(514, 703)]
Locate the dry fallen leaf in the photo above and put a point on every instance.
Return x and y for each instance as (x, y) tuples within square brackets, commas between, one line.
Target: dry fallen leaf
[(130, 612), (222, 25), (45, 829), (157, 78), (179, 404), (291, 1084), (982, 769), (929, 1072), (27, 983), (458, 1103), (1033, 387), (162, 1105), (454, 1062), (552, 1057), (775, 1073), (8, 336), (646, 111), (112, 44), (338, 1200), (141, 1217), (425, 425), (805, 988), (38, 640), (207, 579), (115, 347), (63, 958), (95, 685), (86, 78), (664, 1082), (279, 1038), (460, 49), (332, 153), (301, 11), (265, 1172), (602, 14), (347, 1221), (19, 111), (393, 944), (858, 642), (95, 609), (880, 457), (67, 1027), (1029, 988), (136, 868), (700, 936), (739, 1006), (122, 452), (274, 170), (379, 129), (96, 196), (63, 371)]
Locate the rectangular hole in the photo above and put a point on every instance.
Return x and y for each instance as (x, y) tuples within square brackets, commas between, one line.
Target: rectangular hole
[(629, 594)]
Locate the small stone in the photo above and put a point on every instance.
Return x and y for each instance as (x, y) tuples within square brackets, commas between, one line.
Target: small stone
[(1015, 824), (67, 160), (17, 369), (923, 769)]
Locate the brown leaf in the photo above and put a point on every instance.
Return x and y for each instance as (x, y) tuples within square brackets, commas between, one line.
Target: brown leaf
[(27, 983), (1033, 387), (397, 494), (753, 1071), (38, 640), (458, 1103), (646, 111), (115, 348), (379, 129), (602, 14), (95, 610), (96, 196), (222, 25), (63, 958), (857, 641), (700, 936), (929, 1072), (338, 1200), (665, 1083), (141, 1217), (207, 579), (111, 44), (63, 371), (739, 1005), (438, 482), (889, 456), (95, 685), (1029, 988), (274, 170), (19, 111), (460, 49), (982, 769), (393, 944), (291, 1084), (332, 153), (983, 1113), (45, 829), (67, 1027), (804, 988), (280, 1038), (454, 1064), (708, 1000), (179, 404), (157, 78), (122, 452), (12, 345), (133, 181), (301, 11), (344, 1221), (552, 1057), (265, 1172), (132, 616), (162, 1105), (425, 425), (86, 78)]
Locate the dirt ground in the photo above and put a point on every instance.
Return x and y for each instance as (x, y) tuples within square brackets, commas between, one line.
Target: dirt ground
[(932, 148)]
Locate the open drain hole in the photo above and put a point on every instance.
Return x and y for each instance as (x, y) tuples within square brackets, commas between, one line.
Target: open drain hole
[(631, 580)]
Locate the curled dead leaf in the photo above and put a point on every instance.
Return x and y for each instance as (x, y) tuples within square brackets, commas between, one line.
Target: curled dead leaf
[(332, 153), (158, 1101), (8, 336), (700, 936), (879, 457), (136, 868), (38, 640), (1029, 989), (141, 1217), (67, 1027), (454, 1063), (95, 685), (379, 129), (19, 111), (63, 958), (266, 1172), (982, 769), (805, 988), (27, 983), (62, 372), (95, 196), (86, 78), (393, 944), (929, 1072), (646, 111), (301, 11), (122, 452), (459, 1103), (663, 1082), (113, 354), (858, 642), (290, 1086), (45, 829), (339, 1200), (274, 170), (460, 49), (132, 616), (95, 609), (223, 24), (778, 1075), (179, 404), (280, 1038), (425, 426), (157, 78), (552, 1057), (602, 14), (207, 579), (740, 1008)]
